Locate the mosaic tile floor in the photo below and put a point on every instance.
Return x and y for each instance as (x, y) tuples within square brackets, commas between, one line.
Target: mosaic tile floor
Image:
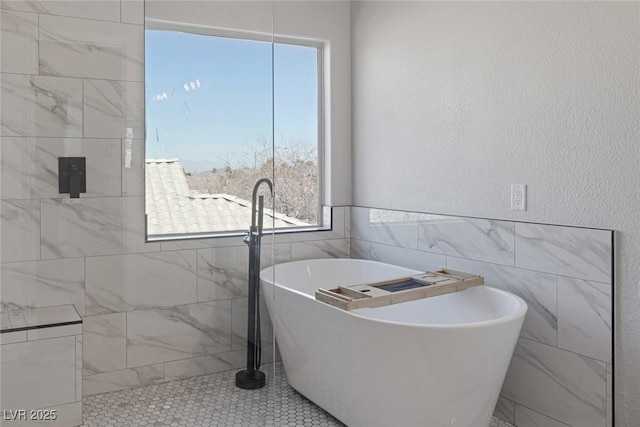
[(210, 400)]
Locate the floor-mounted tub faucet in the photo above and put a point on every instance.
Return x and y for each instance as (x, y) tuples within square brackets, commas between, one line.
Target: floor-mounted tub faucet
[(252, 377)]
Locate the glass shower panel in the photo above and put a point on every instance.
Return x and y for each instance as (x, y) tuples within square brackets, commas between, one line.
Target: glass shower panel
[(209, 123)]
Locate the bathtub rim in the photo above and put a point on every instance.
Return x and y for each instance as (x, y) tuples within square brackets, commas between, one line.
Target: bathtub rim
[(520, 311)]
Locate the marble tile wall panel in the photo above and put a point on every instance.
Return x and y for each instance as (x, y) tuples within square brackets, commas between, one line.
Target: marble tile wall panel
[(220, 242), (108, 10), (388, 227), (120, 380), (360, 249), (91, 49), (132, 12), (50, 315), (28, 379), (17, 168), (347, 222), (525, 417), (239, 310), (584, 317), (54, 332), (562, 385), (105, 343), (470, 238), (20, 225), (113, 109), (13, 337), (185, 331), (30, 166), (409, 258), (41, 106), (5, 323), (336, 248), (93, 226), (133, 167), (274, 254), (79, 358), (19, 42), (610, 408), (16, 318), (223, 272), (505, 410), (539, 290), (205, 365), (43, 283), (568, 251), (139, 281)]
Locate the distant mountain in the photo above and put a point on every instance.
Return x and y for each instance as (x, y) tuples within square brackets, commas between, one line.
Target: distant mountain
[(198, 167)]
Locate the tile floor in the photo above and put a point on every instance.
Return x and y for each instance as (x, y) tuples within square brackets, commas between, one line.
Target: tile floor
[(210, 400)]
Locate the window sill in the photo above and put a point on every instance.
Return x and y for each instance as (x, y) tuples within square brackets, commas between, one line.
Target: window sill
[(239, 233)]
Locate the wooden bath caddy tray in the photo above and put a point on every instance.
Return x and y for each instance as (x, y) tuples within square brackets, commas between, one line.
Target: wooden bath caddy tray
[(378, 294)]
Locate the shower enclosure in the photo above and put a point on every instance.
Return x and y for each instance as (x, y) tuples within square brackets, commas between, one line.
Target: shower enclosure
[(176, 109)]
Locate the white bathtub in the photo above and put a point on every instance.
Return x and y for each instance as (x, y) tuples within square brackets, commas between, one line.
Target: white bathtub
[(434, 362)]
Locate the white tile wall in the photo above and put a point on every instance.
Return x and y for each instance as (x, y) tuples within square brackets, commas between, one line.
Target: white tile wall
[(558, 375), (470, 238), (584, 321), (19, 42), (28, 380), (528, 418), (560, 384), (126, 378), (108, 10), (539, 290), (43, 283), (331, 248), (111, 108), (105, 342), (180, 332), (93, 226), (137, 281), (41, 106), (92, 49), (222, 273), (567, 251), (404, 257), (505, 410), (20, 224)]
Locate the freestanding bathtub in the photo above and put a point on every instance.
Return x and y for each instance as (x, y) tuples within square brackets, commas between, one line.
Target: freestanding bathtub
[(433, 362)]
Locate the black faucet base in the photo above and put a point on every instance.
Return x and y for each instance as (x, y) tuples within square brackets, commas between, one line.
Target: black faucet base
[(250, 380)]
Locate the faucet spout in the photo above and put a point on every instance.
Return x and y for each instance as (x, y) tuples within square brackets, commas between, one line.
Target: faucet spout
[(259, 211)]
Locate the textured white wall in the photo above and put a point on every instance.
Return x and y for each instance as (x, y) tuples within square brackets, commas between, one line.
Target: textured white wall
[(453, 102)]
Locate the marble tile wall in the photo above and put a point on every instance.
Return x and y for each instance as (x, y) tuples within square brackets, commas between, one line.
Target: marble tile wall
[(41, 366), (560, 374), (72, 84)]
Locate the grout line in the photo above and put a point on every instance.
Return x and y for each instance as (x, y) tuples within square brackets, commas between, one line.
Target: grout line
[(568, 351)]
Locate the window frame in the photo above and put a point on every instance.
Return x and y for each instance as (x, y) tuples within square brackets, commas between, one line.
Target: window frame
[(324, 213)]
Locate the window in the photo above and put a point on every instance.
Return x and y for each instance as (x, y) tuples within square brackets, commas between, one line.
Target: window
[(210, 105)]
